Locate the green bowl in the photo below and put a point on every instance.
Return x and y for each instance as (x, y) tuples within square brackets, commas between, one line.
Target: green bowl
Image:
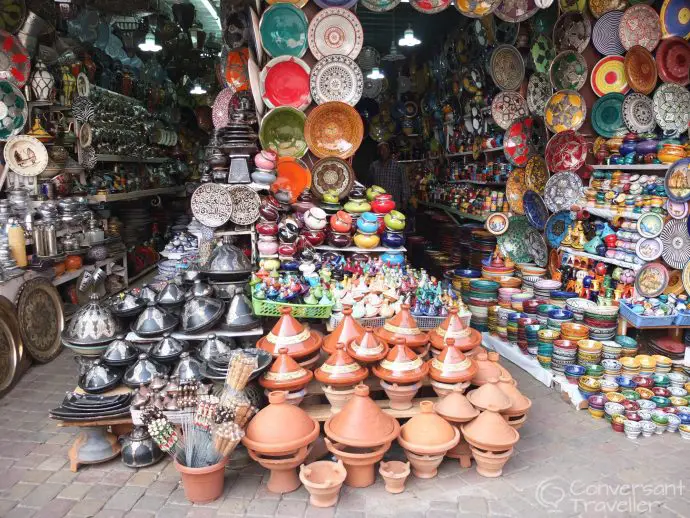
[(630, 395), (658, 418), (626, 341), (661, 401)]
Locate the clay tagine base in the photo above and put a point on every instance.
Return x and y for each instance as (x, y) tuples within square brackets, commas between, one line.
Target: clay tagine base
[(443, 389), (490, 464), (424, 466), (284, 478), (517, 421), (394, 475), (337, 396), (359, 462), (462, 451), (323, 479), (400, 396)]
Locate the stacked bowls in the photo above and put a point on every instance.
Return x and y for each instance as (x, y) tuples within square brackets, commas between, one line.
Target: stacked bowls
[(588, 386), (630, 367), (573, 373), (612, 369), (482, 247), (505, 296), (544, 287), (517, 300), (564, 354), (589, 352), (602, 322), (502, 324), (647, 364), (595, 405), (543, 313), (557, 317), (573, 331), (578, 306), (612, 350), (522, 332), (560, 298), (531, 331), (628, 345), (482, 294), (545, 346)]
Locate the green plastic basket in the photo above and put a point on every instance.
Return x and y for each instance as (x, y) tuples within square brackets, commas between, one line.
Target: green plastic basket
[(269, 308)]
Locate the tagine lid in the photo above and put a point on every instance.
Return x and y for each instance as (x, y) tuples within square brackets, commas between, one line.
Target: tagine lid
[(519, 403), (454, 327), (280, 427), (490, 431), (341, 369), (289, 332), (486, 369), (361, 422), (367, 348), (401, 365), (490, 397), (285, 374), (455, 407), (346, 330), (451, 365), (403, 325), (427, 429)]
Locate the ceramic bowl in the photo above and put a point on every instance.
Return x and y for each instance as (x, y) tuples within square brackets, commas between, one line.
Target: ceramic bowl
[(645, 415), (632, 425), (596, 401), (574, 370), (646, 404), (615, 397), (684, 430), (625, 382), (644, 393), (612, 408), (608, 386), (678, 401)]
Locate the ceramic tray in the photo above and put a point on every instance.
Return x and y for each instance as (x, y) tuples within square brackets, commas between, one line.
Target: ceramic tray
[(15, 63), (565, 110), (638, 113), (566, 151), (211, 204), (332, 174), (335, 31), (336, 78)]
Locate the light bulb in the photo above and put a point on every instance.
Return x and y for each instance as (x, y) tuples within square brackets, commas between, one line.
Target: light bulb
[(375, 74), (408, 40), (150, 44), (197, 90)]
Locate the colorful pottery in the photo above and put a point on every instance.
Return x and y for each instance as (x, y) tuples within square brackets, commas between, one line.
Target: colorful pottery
[(518, 141), (565, 110), (367, 348), (236, 68), (515, 190), (557, 227), (347, 330), (675, 19), (290, 333), (334, 129), (507, 107), (430, 6), (293, 177), (536, 174), (677, 181), (285, 374), (672, 107), (497, 223), (562, 191), (284, 30), (673, 60), (332, 175), (404, 326), (638, 113), (608, 76), (335, 31), (539, 91), (650, 225), (15, 63), (568, 71), (535, 210), (453, 327), (676, 240), (640, 70), (476, 8), (566, 151), (285, 82), (506, 67), (651, 280), (340, 369), (572, 31), (282, 131), (336, 78), (605, 34), (640, 25), (607, 115), (514, 11)]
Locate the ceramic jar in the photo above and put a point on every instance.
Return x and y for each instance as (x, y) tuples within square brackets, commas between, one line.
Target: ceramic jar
[(357, 202), (339, 240), (392, 239), (315, 219), (366, 241), (269, 209), (266, 159), (394, 475), (267, 245), (669, 153), (395, 220), (341, 222), (367, 223), (393, 258), (314, 237), (383, 204), (374, 191)]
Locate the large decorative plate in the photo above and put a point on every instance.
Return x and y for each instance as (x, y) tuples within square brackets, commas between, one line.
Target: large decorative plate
[(672, 107), (539, 91), (343, 4), (676, 242), (220, 112), (15, 63), (516, 10), (284, 30), (11, 348), (557, 227), (515, 190), (677, 209), (572, 31), (542, 53), (650, 224), (649, 249), (430, 6), (255, 35), (677, 181), (536, 174), (12, 15), (332, 174), (282, 130), (536, 244), (675, 19), (13, 110), (25, 155), (255, 85), (336, 78), (507, 107), (651, 280), (235, 73), (605, 34), (513, 242), (476, 8), (640, 70), (41, 319), (506, 67), (568, 71), (638, 113), (565, 110), (380, 6), (599, 8), (335, 31), (211, 204), (640, 25), (368, 58), (673, 60), (297, 3), (607, 115), (285, 82), (245, 204), (535, 210), (562, 191), (519, 142), (566, 151), (334, 129)]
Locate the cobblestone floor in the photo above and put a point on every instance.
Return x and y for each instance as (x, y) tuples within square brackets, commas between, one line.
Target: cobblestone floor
[(566, 464)]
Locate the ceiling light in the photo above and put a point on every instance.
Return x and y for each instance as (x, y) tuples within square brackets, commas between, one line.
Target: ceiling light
[(408, 40), (198, 89), (375, 74), (394, 54), (150, 44)]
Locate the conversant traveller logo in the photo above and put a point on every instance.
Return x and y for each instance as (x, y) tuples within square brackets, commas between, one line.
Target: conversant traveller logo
[(577, 496)]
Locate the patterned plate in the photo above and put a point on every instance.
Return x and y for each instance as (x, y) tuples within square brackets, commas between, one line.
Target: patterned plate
[(15, 63), (13, 110), (675, 19), (536, 244), (676, 242), (673, 61), (536, 174), (368, 58), (25, 155), (515, 190), (497, 223), (686, 277), (535, 210), (332, 174), (513, 243), (677, 181), (379, 6), (539, 92), (562, 191), (430, 6), (557, 227), (284, 30), (235, 71), (640, 70), (371, 88), (640, 25), (12, 15), (245, 204), (650, 224), (566, 151), (542, 53), (507, 107), (211, 204), (335, 31), (520, 141), (608, 76), (476, 8), (672, 107), (605, 34), (506, 32), (41, 319), (677, 209), (565, 110), (285, 82), (651, 280), (649, 249), (344, 4), (516, 10), (568, 71), (336, 78), (638, 113), (506, 67), (572, 31), (282, 130), (607, 115), (221, 107), (334, 129)]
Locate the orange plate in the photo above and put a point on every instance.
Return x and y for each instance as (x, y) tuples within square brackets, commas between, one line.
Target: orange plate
[(334, 129), (293, 175)]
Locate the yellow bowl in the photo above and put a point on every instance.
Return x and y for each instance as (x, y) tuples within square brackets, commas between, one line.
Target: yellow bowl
[(630, 363), (591, 346), (616, 397)]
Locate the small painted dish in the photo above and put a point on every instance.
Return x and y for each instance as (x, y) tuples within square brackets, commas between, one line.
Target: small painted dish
[(497, 223), (649, 249), (650, 225)]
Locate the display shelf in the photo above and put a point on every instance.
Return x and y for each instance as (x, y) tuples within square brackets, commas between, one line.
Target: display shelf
[(468, 153), (609, 214), (68, 276), (476, 182), (221, 233), (608, 260), (125, 196), (258, 331), (631, 167), (130, 159), (440, 206), (418, 160), (355, 249)]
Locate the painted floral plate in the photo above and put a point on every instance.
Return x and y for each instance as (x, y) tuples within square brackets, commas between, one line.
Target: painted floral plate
[(566, 151), (565, 110), (535, 210), (507, 67), (513, 242), (539, 91), (335, 31), (515, 190), (336, 78), (334, 129), (562, 191), (332, 174), (638, 113)]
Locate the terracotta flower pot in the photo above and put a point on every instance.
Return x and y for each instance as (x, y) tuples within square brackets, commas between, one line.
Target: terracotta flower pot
[(490, 464), (323, 479), (394, 475), (346, 330), (400, 396), (359, 462), (203, 485)]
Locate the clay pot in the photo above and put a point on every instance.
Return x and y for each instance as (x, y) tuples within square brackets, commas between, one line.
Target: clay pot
[(323, 479), (456, 409), (490, 464), (454, 327), (490, 431), (443, 389), (203, 485), (338, 376), (394, 475), (403, 326), (486, 369), (285, 374), (359, 462), (367, 348), (489, 397), (400, 396), (519, 403), (337, 396), (346, 330), (401, 365), (451, 366), (299, 340)]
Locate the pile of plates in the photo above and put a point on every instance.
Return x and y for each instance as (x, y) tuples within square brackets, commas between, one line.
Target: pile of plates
[(544, 287), (647, 365), (545, 346), (481, 295), (589, 352), (559, 297), (628, 345), (481, 248), (505, 296), (667, 346), (577, 306), (612, 369), (602, 322), (518, 299), (564, 354), (557, 317), (502, 315), (612, 350), (573, 373)]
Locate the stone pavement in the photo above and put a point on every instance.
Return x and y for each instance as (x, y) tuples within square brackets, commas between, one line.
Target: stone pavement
[(566, 464)]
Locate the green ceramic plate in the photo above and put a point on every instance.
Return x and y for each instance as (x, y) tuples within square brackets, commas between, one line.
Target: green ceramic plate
[(607, 115), (283, 29), (13, 110), (514, 241), (282, 130)]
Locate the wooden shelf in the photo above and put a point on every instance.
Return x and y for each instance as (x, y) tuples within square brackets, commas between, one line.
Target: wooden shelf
[(477, 182), (632, 167), (418, 160), (355, 249), (468, 153), (125, 196)]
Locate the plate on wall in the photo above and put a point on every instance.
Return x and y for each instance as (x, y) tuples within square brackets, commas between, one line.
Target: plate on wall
[(516, 10), (565, 110), (519, 141), (535, 210), (673, 60), (671, 103), (507, 107), (335, 31), (650, 225), (649, 249), (285, 82), (542, 53), (283, 29), (430, 6), (334, 129), (640, 70), (336, 78), (572, 31), (14, 110), (507, 67), (638, 113), (566, 151), (607, 115), (605, 34), (15, 63), (282, 131), (557, 227), (211, 204), (675, 19), (332, 174), (515, 190), (640, 25), (476, 8), (539, 91), (568, 71), (536, 174), (676, 242), (651, 280), (608, 76), (677, 181), (562, 191), (25, 155), (380, 6), (514, 243)]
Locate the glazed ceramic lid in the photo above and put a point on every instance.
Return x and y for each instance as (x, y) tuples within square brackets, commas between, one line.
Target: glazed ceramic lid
[(288, 332), (490, 431), (361, 423), (341, 369), (519, 403), (489, 397), (285, 374), (451, 366), (280, 427), (428, 433), (673, 60), (465, 338), (403, 325), (401, 365), (346, 330), (455, 407), (367, 348), (486, 369)]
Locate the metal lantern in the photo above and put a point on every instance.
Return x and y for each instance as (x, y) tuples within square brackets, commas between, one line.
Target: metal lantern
[(42, 82)]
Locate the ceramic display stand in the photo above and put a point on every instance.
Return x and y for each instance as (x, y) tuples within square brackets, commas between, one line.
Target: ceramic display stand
[(93, 445)]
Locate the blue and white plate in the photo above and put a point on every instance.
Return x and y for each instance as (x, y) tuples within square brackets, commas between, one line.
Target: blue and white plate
[(557, 228), (535, 210)]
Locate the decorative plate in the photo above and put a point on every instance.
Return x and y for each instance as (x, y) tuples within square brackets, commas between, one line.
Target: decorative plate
[(557, 227), (568, 71), (515, 190), (535, 210), (368, 58), (638, 113), (41, 319), (294, 177), (13, 110), (677, 209), (297, 3), (12, 16), (675, 19), (516, 10), (676, 242), (476, 8), (671, 104), (572, 31), (332, 174), (497, 223), (235, 72), (542, 52), (607, 115), (336, 78), (566, 151), (282, 130), (565, 110), (673, 60), (640, 25), (284, 30), (640, 70), (506, 67), (255, 85), (211, 204), (25, 155), (371, 88), (334, 129), (514, 243), (507, 107), (245, 204), (285, 82), (562, 191), (335, 31), (380, 6), (520, 141), (430, 6), (539, 92), (649, 249), (650, 224), (10, 343), (677, 181), (255, 35), (651, 280), (598, 8), (221, 108), (83, 85), (343, 4), (572, 5), (506, 32), (605, 34), (536, 244), (536, 174), (15, 63), (686, 278)]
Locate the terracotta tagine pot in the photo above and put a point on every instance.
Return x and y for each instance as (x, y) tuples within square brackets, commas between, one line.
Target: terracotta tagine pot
[(491, 440), (520, 404), (486, 369), (359, 435), (367, 348), (403, 325), (454, 327), (278, 438), (426, 438), (394, 475), (286, 374), (451, 369), (338, 376), (288, 332), (346, 330), (323, 479), (489, 397), (401, 373), (456, 409)]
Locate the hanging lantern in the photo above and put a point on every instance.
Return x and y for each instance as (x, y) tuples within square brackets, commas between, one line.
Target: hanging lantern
[(42, 82)]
